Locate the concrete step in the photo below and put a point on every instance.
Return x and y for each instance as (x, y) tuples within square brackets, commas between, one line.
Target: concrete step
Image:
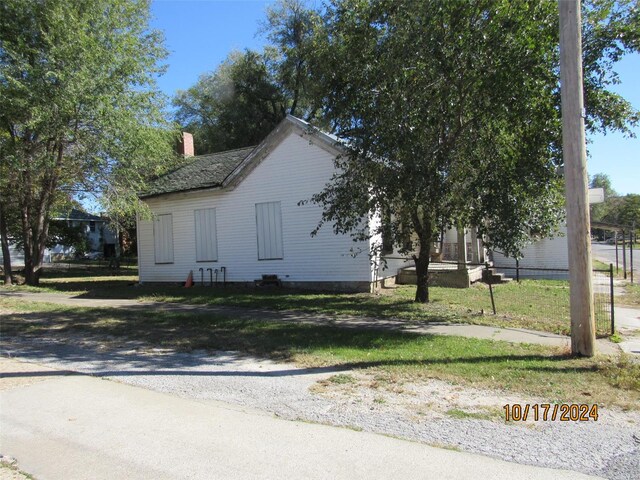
[(494, 277)]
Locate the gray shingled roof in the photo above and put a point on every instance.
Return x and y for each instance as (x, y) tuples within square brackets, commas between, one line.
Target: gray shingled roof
[(204, 171)]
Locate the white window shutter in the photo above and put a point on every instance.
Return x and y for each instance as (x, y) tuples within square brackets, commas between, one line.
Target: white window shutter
[(269, 231), (206, 235), (163, 238)]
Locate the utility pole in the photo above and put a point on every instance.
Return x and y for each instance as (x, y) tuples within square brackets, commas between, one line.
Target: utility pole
[(583, 338)]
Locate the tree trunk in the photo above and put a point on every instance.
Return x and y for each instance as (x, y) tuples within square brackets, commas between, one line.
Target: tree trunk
[(35, 218), (38, 245), (34, 245), (424, 228), (115, 261), (4, 239), (32, 265), (422, 275)]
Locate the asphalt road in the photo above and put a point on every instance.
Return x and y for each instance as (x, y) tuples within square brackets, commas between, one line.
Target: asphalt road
[(607, 253)]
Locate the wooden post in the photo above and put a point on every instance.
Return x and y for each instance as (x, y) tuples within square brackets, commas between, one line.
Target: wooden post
[(475, 246), (462, 248), (631, 250), (583, 340), (490, 282), (615, 240), (624, 256), (612, 300)]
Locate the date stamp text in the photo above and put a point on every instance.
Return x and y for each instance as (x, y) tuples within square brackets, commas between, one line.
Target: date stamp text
[(563, 412)]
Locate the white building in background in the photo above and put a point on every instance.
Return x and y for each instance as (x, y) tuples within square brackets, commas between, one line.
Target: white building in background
[(100, 236), (549, 253)]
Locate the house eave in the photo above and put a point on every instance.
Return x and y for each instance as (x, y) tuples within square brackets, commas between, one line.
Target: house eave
[(288, 125), (180, 192)]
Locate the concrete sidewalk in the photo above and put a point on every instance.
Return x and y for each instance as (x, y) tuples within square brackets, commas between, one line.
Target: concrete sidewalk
[(628, 323), (512, 335), (79, 427)]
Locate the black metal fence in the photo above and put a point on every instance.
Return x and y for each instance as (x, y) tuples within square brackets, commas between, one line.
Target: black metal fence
[(547, 294)]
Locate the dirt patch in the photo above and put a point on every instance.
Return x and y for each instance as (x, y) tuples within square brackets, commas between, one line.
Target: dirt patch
[(420, 401)]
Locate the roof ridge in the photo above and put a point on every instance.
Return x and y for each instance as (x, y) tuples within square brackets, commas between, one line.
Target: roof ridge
[(225, 151)]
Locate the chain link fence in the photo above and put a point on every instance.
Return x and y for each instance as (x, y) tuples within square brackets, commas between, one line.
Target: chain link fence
[(543, 294)]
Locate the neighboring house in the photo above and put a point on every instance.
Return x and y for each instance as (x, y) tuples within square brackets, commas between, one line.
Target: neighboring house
[(241, 210), (549, 255), (100, 236)]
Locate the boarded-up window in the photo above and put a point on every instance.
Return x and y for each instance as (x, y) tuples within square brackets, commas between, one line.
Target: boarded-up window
[(269, 227), (163, 238), (206, 241)]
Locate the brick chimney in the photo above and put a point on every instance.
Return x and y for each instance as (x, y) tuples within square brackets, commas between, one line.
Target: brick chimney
[(185, 145)]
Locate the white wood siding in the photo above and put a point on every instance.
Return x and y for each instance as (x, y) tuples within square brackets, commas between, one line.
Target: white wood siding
[(163, 238), (293, 171), (205, 235), (269, 230), (389, 265), (545, 253)]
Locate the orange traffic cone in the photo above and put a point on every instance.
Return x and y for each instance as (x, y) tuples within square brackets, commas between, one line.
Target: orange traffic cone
[(189, 282)]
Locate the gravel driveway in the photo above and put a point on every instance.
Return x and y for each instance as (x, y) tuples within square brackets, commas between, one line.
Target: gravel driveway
[(609, 447)]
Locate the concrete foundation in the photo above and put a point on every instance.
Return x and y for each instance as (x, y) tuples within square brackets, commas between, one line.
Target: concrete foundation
[(443, 276)]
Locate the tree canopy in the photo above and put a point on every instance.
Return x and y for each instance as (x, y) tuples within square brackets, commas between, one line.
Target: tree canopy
[(78, 108), (450, 112), (235, 106), (616, 210), (239, 103)]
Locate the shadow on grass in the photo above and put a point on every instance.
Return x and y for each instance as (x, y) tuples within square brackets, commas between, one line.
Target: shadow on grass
[(345, 348), (362, 305)]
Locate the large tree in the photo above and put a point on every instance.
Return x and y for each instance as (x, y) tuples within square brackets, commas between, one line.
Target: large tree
[(450, 115), (78, 108), (629, 212), (250, 92), (235, 106), (623, 211), (290, 27)]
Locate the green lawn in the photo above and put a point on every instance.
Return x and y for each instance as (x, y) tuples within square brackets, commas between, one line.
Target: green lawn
[(539, 305), (534, 304), (391, 356), (598, 265)]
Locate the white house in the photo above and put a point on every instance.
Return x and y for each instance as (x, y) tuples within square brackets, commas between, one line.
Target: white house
[(100, 236), (548, 256), (96, 229), (551, 255), (238, 212)]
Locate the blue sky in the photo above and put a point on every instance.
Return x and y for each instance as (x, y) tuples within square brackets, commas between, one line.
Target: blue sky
[(200, 34)]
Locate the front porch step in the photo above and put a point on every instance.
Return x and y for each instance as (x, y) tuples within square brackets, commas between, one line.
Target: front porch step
[(494, 277)]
